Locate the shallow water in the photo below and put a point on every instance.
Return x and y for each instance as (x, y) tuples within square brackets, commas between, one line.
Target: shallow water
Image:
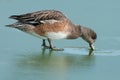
[(23, 58)]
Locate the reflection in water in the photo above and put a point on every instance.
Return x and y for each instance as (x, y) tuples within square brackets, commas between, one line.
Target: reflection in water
[(55, 63), (51, 64), (53, 60), (90, 52)]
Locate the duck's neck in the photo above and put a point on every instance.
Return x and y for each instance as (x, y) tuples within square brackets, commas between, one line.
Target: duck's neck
[(88, 34), (75, 32)]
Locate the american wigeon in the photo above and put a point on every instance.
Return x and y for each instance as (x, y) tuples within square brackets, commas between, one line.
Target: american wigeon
[(50, 25)]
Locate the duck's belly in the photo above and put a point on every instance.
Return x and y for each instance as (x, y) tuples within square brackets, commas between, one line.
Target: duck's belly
[(56, 35), (51, 35)]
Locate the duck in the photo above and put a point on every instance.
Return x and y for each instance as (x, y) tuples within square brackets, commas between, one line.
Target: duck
[(52, 25)]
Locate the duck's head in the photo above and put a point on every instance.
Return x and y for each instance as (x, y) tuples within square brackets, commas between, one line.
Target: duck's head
[(89, 36)]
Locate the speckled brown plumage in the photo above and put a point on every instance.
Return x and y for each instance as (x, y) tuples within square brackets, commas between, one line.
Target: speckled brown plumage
[(52, 24)]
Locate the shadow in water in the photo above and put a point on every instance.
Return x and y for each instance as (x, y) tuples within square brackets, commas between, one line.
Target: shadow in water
[(55, 60)]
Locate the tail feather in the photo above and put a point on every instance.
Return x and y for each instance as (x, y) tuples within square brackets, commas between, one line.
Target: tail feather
[(23, 18), (14, 25), (10, 25), (14, 17)]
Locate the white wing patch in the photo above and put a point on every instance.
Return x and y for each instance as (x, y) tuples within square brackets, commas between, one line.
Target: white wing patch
[(52, 21)]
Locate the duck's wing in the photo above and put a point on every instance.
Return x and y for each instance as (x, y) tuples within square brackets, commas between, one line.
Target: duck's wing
[(40, 17)]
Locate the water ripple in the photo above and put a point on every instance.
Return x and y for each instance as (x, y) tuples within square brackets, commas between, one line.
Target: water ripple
[(97, 52)]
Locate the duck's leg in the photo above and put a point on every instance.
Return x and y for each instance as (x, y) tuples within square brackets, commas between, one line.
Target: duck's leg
[(92, 46), (52, 47), (44, 44)]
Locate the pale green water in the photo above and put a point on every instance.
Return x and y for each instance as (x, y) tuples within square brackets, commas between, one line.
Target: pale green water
[(21, 55)]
